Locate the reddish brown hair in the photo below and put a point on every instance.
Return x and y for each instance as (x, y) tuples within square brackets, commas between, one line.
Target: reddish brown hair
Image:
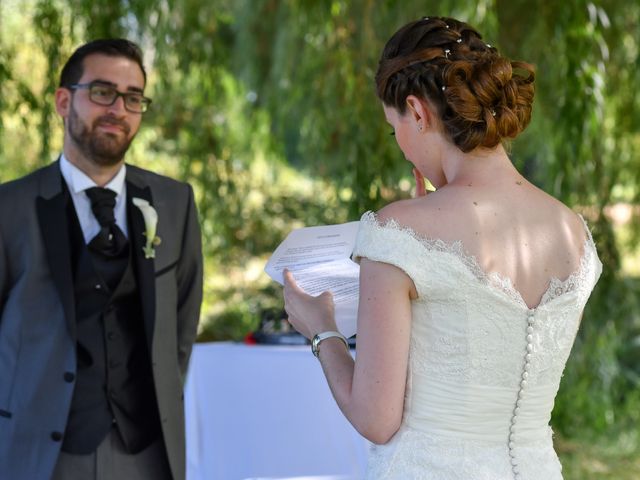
[(480, 96)]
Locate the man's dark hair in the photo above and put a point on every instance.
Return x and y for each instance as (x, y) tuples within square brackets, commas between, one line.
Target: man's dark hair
[(113, 47)]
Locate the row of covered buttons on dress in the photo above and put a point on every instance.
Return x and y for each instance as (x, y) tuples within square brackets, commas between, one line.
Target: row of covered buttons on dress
[(523, 385)]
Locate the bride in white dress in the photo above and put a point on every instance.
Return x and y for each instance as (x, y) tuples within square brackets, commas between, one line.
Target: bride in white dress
[(471, 295)]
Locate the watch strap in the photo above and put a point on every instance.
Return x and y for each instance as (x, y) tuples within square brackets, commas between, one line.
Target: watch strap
[(317, 339)]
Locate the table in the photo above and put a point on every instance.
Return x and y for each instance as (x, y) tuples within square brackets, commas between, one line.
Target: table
[(257, 411)]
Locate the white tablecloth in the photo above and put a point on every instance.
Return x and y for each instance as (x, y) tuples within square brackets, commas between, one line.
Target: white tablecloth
[(265, 412)]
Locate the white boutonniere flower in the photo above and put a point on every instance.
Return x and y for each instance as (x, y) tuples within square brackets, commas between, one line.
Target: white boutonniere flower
[(151, 224)]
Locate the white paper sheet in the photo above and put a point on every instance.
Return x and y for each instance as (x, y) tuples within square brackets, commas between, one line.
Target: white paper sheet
[(319, 258)]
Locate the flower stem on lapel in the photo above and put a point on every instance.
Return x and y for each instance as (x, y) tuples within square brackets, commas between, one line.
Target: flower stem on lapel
[(150, 217)]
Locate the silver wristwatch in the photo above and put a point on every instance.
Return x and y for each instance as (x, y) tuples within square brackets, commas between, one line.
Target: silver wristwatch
[(315, 342)]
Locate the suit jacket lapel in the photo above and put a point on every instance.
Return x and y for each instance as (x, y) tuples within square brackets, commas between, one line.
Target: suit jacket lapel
[(51, 207), (144, 266)]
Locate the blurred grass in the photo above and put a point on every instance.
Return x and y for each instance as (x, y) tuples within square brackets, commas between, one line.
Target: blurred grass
[(616, 459)]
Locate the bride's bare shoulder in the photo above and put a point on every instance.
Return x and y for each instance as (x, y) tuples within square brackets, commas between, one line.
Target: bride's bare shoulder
[(459, 213), (571, 226), (427, 215)]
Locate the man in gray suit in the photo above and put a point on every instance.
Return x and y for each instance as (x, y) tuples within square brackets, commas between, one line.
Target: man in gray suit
[(100, 292)]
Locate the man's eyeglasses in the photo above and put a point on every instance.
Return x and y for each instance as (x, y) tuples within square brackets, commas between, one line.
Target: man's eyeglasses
[(106, 95)]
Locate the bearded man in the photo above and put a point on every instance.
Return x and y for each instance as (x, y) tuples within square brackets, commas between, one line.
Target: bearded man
[(100, 292)]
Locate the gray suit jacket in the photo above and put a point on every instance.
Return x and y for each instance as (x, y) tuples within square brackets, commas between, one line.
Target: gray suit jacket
[(37, 319)]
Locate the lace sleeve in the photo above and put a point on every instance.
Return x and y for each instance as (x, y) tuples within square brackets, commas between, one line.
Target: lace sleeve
[(387, 243)]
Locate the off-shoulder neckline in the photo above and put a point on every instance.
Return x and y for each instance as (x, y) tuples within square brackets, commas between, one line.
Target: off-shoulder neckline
[(502, 283)]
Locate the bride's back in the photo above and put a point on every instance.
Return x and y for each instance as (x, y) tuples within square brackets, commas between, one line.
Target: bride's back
[(487, 353), (509, 226)]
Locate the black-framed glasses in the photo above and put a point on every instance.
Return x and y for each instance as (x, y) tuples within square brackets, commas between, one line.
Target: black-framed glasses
[(106, 95)]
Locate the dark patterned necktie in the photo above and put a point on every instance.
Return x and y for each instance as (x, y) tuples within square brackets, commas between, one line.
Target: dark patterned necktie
[(110, 241)]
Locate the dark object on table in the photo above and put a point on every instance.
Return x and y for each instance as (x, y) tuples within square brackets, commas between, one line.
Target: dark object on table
[(274, 329)]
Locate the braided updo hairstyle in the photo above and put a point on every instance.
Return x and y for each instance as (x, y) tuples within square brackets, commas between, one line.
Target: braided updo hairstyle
[(481, 97)]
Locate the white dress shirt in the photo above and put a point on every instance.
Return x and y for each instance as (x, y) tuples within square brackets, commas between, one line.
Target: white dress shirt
[(78, 182)]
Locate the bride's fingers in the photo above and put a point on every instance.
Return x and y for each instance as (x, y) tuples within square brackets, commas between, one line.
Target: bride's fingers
[(421, 190), (326, 296), (290, 282), (295, 298)]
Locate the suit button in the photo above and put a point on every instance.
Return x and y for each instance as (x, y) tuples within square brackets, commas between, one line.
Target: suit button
[(56, 436), (112, 335), (69, 377), (114, 364), (98, 286)]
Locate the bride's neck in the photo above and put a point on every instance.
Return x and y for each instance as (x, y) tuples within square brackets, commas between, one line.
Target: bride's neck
[(478, 166)]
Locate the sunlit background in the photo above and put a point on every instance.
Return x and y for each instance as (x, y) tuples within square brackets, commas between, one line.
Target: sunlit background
[(267, 108)]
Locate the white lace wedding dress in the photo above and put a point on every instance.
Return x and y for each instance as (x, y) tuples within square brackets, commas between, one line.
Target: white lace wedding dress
[(484, 369)]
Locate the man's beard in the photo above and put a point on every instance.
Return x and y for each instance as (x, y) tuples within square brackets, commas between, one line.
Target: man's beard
[(101, 148)]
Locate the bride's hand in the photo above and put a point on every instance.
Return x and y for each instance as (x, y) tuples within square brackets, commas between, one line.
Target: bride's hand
[(421, 190), (308, 315)]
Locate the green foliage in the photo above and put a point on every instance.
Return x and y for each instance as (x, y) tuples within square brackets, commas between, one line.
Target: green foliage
[(614, 457), (313, 68), (601, 384), (49, 32)]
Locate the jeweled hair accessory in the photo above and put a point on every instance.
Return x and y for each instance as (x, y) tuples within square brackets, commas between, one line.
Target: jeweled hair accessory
[(446, 53)]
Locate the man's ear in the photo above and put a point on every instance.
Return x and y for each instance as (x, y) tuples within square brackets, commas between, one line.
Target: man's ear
[(420, 110), (63, 101)]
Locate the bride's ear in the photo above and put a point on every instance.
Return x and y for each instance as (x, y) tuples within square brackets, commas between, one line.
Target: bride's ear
[(420, 111)]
